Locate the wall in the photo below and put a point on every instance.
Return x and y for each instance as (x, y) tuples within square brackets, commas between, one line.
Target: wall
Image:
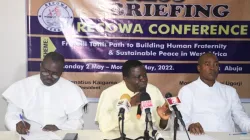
[(14, 54), (13, 50)]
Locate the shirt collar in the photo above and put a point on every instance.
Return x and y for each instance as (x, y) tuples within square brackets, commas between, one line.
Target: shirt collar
[(204, 85), (125, 90), (44, 86)]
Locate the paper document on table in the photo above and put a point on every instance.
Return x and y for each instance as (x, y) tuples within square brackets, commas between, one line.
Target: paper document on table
[(41, 135), (183, 136)]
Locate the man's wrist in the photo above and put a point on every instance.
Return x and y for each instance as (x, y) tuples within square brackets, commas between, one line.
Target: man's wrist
[(163, 123), (164, 119)]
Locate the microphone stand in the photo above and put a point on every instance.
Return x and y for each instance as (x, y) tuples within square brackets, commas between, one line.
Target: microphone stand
[(179, 117), (123, 135), (176, 125), (153, 134), (146, 132)]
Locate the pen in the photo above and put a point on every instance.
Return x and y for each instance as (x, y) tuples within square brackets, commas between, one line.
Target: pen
[(240, 133), (21, 117)]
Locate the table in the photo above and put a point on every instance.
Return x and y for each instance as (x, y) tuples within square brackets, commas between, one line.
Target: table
[(97, 135)]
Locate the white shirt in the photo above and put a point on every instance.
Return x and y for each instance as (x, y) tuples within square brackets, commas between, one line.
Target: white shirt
[(107, 113), (60, 104), (216, 108)]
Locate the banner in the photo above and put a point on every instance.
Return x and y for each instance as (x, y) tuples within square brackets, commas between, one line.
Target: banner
[(96, 37)]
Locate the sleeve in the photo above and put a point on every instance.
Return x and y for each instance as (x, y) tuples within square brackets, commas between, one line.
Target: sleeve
[(75, 100), (186, 106), (12, 116), (74, 120), (239, 115), (159, 102), (74, 110), (106, 115), (170, 124)]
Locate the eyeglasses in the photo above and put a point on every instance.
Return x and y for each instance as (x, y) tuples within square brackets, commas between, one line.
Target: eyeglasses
[(140, 76), (48, 72), (45, 73)]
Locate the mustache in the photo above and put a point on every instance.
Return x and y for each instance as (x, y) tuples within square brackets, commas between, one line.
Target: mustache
[(213, 72)]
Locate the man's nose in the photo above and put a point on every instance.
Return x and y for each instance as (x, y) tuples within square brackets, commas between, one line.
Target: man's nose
[(143, 78), (212, 67), (50, 75)]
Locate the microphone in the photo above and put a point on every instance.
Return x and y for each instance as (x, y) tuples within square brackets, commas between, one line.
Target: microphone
[(138, 114), (146, 104), (157, 135), (173, 101), (123, 105)]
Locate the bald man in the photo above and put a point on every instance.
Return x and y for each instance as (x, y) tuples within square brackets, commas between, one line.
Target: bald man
[(208, 105)]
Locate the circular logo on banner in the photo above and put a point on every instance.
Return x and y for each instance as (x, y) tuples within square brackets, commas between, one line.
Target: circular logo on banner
[(54, 16)]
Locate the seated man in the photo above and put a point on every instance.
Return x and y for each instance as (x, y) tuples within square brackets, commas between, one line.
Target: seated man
[(134, 82), (45, 101), (208, 105)]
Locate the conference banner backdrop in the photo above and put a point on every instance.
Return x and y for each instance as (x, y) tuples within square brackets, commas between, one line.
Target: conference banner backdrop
[(97, 36)]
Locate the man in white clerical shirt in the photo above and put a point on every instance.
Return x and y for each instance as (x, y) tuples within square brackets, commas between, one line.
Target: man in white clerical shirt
[(134, 82), (208, 105), (45, 101)]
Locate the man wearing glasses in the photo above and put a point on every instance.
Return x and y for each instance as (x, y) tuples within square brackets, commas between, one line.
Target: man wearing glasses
[(45, 101)]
